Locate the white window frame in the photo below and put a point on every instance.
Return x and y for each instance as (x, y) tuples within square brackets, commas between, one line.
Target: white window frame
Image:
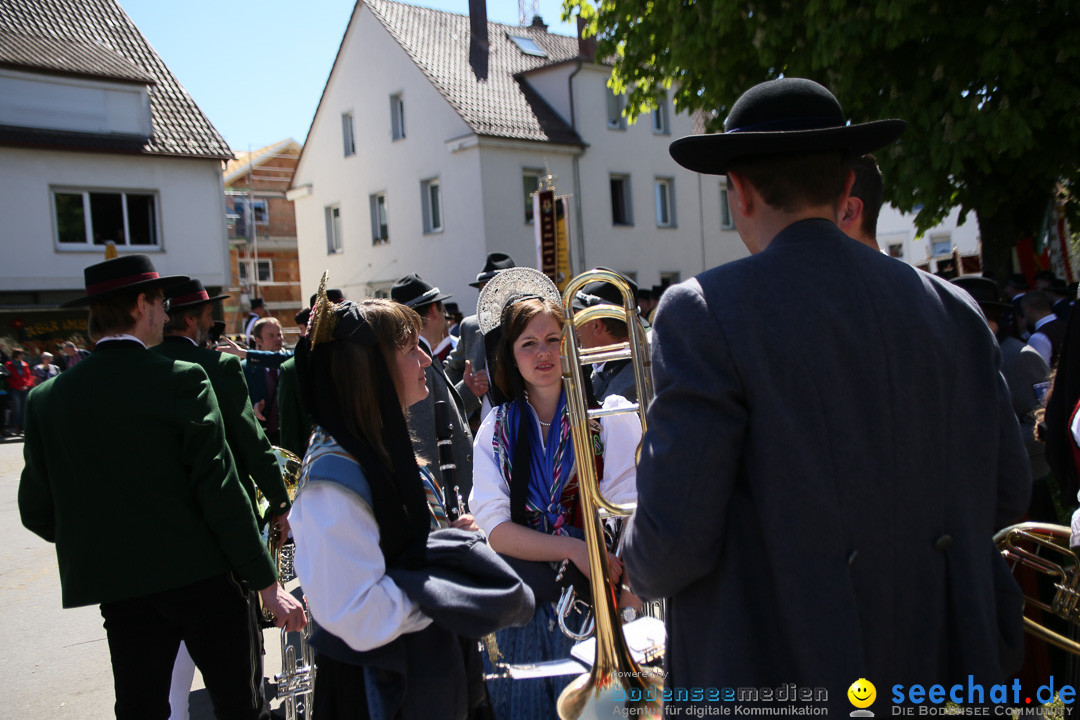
[(726, 221), (627, 198), (660, 119), (664, 192), (537, 175), (615, 105), (380, 221), (939, 238), (397, 116), (334, 241), (348, 133), (87, 242), (244, 267), (431, 202)]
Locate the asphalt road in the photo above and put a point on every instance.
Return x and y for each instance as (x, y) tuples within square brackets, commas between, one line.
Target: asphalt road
[(54, 663)]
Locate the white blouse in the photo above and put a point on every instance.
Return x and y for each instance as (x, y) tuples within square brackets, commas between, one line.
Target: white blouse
[(489, 500), (342, 570)]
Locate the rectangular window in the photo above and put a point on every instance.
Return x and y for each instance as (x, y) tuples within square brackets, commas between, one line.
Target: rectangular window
[(397, 116), (726, 221), (432, 204), (266, 271), (896, 250), (660, 125), (940, 244), (333, 230), (665, 202), (530, 183), (615, 105), (348, 134), (621, 213), (86, 218), (380, 230)]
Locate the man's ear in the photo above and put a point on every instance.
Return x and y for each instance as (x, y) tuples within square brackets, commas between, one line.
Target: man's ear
[(742, 201), (850, 214)]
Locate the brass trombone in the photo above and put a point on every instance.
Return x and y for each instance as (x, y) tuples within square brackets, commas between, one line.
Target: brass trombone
[(616, 680), (296, 681), (1044, 548)]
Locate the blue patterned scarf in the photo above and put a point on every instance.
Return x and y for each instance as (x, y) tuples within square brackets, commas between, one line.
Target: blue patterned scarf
[(552, 494)]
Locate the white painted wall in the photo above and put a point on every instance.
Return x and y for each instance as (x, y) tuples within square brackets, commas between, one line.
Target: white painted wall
[(372, 67), (190, 214), (897, 227), (80, 105)]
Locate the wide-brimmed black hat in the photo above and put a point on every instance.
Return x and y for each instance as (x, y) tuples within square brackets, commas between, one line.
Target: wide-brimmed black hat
[(782, 117), (984, 290), (496, 263), (125, 274), (190, 294), (602, 293), (413, 291)]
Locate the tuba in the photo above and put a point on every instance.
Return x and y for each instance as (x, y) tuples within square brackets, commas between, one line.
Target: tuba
[(616, 682), (1044, 548), (296, 682)]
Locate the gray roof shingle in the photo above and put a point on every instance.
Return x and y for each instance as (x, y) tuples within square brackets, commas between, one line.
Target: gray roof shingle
[(500, 105), (97, 38)]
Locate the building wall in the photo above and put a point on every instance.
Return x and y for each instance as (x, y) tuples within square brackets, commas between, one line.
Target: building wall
[(448, 258), (190, 208), (275, 241)]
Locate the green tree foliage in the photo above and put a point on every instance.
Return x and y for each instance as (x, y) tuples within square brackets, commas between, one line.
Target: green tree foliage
[(990, 88)]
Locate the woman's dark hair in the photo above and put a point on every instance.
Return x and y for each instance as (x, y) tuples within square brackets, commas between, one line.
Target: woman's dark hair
[(515, 318), (355, 369)]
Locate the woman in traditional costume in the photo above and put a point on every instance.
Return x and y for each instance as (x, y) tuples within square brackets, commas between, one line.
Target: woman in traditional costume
[(525, 488)]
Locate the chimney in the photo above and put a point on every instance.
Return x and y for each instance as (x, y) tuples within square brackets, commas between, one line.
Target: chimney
[(478, 38), (586, 47), (538, 22)]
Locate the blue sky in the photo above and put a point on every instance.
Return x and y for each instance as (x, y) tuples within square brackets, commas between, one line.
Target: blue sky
[(258, 67)]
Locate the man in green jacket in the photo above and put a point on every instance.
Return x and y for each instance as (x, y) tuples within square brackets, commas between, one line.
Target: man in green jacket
[(143, 502)]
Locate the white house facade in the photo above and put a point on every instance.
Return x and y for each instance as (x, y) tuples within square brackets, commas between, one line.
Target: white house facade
[(99, 143), (426, 144)]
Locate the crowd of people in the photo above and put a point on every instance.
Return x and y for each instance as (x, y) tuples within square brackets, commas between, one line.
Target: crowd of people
[(816, 500)]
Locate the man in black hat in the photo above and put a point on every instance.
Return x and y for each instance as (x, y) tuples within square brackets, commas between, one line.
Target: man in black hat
[(427, 300), (615, 377), (817, 500), (191, 316), (467, 364), (143, 502)]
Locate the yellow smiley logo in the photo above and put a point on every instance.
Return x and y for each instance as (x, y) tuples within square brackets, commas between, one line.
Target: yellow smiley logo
[(862, 693)]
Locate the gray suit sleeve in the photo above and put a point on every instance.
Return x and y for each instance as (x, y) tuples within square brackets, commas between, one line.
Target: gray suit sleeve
[(691, 452)]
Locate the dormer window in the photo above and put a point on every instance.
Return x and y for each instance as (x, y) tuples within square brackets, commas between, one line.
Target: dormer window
[(527, 46)]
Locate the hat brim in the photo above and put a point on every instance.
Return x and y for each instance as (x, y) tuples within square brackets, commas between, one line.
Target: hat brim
[(174, 306), (713, 154), (167, 281)]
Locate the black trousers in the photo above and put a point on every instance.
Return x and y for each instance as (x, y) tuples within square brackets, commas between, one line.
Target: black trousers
[(217, 622)]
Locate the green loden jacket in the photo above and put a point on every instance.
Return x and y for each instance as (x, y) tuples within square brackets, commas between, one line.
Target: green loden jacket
[(256, 464), (127, 471)]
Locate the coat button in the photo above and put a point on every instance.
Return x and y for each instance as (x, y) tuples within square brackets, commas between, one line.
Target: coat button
[(943, 543)]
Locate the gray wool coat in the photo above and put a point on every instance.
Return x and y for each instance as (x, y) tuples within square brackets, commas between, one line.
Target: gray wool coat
[(831, 448)]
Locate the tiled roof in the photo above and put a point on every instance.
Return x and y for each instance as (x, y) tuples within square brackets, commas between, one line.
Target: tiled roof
[(36, 53), (500, 105), (179, 126)]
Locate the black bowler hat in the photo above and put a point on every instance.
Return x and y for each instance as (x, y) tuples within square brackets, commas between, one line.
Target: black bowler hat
[(782, 117), (602, 293), (413, 291), (984, 290), (125, 274), (496, 263), (334, 295), (189, 294)]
